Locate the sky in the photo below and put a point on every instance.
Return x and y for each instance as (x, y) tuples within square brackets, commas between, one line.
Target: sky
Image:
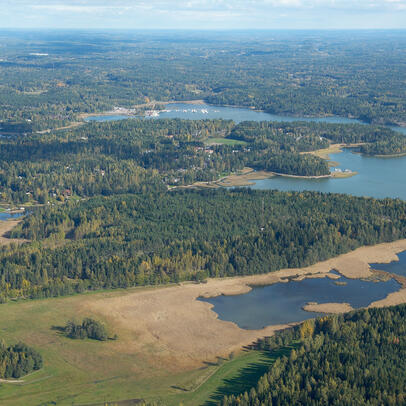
[(203, 14)]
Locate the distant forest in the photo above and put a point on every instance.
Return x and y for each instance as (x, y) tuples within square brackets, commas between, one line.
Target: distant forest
[(351, 74)]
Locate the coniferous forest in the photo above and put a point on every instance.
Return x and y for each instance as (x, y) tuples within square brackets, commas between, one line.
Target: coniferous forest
[(352, 359), (18, 360), (143, 239)]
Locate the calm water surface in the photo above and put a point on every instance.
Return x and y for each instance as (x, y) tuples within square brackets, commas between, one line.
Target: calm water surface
[(377, 177), (206, 111), (282, 303), (397, 267)]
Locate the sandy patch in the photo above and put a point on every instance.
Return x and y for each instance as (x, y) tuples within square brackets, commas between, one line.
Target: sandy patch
[(173, 326), (244, 178), (343, 175), (325, 152), (328, 307), (392, 299), (333, 276), (5, 227)]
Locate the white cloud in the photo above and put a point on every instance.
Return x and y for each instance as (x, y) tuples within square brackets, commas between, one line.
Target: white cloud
[(78, 8), (184, 13)]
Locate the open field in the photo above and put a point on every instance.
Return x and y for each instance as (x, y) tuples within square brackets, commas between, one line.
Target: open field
[(231, 377), (66, 127), (168, 343), (343, 175), (85, 371), (5, 227), (325, 152), (243, 178)]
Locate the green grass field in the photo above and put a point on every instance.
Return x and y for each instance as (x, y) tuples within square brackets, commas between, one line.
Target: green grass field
[(232, 377), (81, 372)]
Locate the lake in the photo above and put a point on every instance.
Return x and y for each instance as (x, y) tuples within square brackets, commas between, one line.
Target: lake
[(282, 303), (237, 114), (376, 177)]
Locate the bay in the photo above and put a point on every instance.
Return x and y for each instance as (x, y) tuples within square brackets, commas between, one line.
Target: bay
[(282, 303)]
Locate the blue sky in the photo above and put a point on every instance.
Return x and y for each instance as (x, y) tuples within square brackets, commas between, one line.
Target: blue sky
[(203, 14)]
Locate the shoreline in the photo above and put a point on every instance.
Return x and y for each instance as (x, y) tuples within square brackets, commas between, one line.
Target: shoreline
[(171, 319), (151, 104), (203, 102), (389, 155), (247, 175)]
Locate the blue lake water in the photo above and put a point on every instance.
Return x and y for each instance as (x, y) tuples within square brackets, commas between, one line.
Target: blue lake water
[(377, 177), (201, 112), (397, 267), (237, 114), (8, 216), (282, 303)]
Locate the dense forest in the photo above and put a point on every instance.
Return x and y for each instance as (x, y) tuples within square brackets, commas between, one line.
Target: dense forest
[(356, 358), (18, 360), (48, 79), (130, 240)]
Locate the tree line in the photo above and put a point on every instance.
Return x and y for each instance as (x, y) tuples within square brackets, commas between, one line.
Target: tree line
[(355, 358)]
